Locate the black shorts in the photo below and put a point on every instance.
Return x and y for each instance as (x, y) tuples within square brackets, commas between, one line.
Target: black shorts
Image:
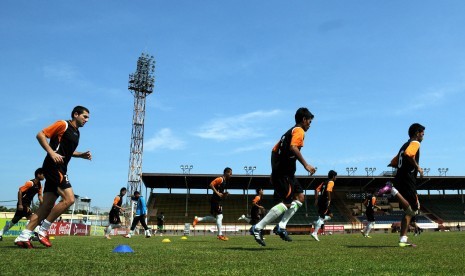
[(114, 217), (323, 209), (54, 180), (285, 187), (215, 207), (25, 213), (370, 216), (409, 194)]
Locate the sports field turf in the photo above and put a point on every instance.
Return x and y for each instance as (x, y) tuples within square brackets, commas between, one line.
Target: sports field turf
[(440, 253)]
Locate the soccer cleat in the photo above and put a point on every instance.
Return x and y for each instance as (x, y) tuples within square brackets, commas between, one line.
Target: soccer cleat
[(362, 232), (1, 238), (107, 237), (282, 233), (23, 243), (386, 189), (258, 235), (222, 238), (241, 217), (128, 236), (196, 220), (147, 234), (43, 238), (315, 236), (366, 236)]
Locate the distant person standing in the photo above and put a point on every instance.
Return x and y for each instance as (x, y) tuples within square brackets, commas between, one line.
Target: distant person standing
[(288, 193), (116, 209), (218, 186), (160, 223), (63, 140), (26, 194), (404, 189), (257, 212), (323, 197), (141, 215), (370, 205)]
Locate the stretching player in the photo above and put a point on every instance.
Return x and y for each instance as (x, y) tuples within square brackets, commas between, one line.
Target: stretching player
[(26, 194), (116, 209), (218, 186), (323, 196), (64, 139), (404, 188), (288, 193)]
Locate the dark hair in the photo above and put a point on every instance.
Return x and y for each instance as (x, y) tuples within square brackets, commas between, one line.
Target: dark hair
[(122, 190), (258, 190), (136, 193), (331, 174), (227, 169), (38, 171), (414, 129), (302, 113), (79, 109)]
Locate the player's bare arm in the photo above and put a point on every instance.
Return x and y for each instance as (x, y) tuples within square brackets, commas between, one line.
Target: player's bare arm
[(215, 190), (301, 159), (414, 162), (84, 155), (44, 144), (20, 200)]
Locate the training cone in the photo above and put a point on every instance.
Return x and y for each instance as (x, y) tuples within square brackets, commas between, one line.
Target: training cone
[(123, 248), (184, 238), (166, 240), (51, 238)]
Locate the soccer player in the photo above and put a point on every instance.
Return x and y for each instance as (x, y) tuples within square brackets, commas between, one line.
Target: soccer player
[(370, 204), (218, 186), (287, 191), (64, 139), (257, 212), (404, 187), (323, 196), (160, 223), (26, 194), (116, 209), (141, 215)]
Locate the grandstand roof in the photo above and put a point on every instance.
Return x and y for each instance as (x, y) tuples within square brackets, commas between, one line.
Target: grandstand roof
[(242, 182)]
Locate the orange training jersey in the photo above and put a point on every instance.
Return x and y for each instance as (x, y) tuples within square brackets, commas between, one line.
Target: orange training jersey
[(29, 190)]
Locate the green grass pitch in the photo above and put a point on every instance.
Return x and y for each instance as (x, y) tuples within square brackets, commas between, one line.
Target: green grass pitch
[(437, 253)]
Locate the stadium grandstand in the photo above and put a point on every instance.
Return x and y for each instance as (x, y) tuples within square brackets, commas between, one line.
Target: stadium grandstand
[(183, 196)]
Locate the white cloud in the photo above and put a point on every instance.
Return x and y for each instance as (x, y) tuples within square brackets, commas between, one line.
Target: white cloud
[(236, 127), (424, 100), (259, 146), (60, 71), (164, 139)]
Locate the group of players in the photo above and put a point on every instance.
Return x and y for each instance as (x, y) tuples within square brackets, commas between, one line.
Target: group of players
[(289, 196), (61, 139)]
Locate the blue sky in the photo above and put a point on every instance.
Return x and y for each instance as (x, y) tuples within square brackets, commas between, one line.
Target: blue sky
[(229, 77)]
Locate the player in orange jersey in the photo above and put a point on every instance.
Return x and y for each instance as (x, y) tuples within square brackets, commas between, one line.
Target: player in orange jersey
[(26, 194), (323, 196), (218, 186)]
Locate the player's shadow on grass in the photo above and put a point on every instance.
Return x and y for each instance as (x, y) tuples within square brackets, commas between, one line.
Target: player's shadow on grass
[(261, 248), (370, 246)]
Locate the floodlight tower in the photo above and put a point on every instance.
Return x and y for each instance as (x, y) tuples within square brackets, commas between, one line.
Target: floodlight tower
[(140, 84)]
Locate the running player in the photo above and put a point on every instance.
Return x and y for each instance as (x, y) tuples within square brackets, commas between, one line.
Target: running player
[(64, 139), (323, 196), (288, 193), (258, 211), (218, 186), (370, 204), (116, 209), (26, 194), (404, 189), (141, 215)]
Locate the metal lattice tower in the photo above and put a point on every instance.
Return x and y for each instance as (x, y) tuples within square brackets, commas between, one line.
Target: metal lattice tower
[(140, 84)]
